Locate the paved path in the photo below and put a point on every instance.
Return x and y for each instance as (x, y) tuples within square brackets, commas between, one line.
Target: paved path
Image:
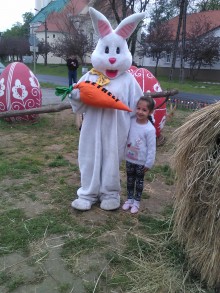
[(49, 95), (197, 97), (58, 80)]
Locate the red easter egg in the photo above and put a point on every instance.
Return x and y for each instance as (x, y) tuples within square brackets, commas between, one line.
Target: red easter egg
[(19, 90), (149, 83)]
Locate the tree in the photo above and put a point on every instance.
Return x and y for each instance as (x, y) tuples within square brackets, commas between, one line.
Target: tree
[(202, 52), (19, 29), (157, 43), (3, 49), (73, 38), (204, 5), (162, 11), (15, 31), (176, 42), (14, 41), (202, 47), (183, 41), (43, 50), (15, 47), (27, 17), (67, 45)]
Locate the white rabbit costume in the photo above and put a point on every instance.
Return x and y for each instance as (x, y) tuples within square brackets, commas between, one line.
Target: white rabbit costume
[(104, 131)]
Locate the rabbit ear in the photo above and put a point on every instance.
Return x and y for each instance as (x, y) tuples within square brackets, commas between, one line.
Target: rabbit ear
[(100, 23), (129, 24)]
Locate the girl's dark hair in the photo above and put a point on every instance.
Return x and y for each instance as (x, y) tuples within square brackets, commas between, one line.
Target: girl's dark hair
[(151, 104)]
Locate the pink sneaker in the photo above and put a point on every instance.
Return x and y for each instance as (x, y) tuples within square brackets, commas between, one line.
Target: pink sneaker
[(134, 209), (127, 205)]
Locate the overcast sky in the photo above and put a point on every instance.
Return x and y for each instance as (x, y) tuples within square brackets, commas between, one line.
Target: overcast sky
[(11, 12)]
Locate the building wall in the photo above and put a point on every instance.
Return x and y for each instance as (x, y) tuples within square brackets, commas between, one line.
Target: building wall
[(51, 37), (51, 59), (149, 61)]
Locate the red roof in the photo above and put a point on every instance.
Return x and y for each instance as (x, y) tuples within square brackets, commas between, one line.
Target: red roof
[(56, 20), (211, 17)]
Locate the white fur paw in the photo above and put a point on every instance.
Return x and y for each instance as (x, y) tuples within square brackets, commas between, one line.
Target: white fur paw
[(81, 204), (74, 93), (110, 204)]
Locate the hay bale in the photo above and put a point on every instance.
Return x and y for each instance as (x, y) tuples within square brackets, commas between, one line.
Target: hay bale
[(196, 160)]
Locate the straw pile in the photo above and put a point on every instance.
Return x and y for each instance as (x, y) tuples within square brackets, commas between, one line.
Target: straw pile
[(196, 160)]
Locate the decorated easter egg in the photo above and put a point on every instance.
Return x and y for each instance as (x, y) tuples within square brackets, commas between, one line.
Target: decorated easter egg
[(149, 83), (19, 90)]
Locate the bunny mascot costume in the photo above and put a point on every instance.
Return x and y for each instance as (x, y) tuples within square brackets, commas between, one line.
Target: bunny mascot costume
[(104, 131)]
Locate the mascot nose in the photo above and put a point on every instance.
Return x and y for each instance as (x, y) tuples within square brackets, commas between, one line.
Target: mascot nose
[(112, 60)]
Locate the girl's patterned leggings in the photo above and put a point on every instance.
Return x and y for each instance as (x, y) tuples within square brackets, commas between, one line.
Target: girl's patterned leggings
[(135, 180)]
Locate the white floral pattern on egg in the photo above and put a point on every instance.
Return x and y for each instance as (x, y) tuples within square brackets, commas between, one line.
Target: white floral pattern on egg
[(19, 90)]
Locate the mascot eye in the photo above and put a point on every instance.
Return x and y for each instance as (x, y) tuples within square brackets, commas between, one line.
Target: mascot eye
[(106, 50), (118, 50)]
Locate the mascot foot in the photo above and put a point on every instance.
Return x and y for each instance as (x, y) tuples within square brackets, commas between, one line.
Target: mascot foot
[(110, 204), (81, 204)]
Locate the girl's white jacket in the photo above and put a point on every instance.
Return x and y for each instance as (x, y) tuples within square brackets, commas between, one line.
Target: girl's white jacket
[(141, 145)]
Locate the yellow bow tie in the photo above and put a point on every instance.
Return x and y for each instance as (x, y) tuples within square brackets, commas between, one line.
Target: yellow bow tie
[(102, 79)]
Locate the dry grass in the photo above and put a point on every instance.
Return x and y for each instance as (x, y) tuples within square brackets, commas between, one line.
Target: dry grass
[(197, 198)]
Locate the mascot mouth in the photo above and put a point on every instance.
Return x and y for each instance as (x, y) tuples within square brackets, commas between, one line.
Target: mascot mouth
[(111, 73)]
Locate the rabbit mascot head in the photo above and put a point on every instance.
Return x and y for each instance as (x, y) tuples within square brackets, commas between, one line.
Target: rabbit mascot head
[(104, 131), (111, 55)]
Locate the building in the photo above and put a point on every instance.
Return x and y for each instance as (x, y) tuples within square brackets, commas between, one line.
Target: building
[(49, 22), (209, 23)]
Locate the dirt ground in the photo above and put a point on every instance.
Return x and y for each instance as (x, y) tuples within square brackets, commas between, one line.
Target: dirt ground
[(50, 273)]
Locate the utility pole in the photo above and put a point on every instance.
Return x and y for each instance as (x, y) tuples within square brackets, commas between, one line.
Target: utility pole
[(33, 43), (45, 36), (183, 43), (176, 42), (34, 50), (45, 56)]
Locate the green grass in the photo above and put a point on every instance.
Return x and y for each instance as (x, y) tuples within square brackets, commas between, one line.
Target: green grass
[(55, 69), (17, 231), (59, 161), (20, 167), (14, 283), (64, 288), (163, 170), (153, 225), (189, 86)]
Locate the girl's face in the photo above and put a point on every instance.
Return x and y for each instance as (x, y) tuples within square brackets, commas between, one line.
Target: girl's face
[(142, 112)]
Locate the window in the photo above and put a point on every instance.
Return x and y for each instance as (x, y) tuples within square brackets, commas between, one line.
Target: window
[(168, 58)]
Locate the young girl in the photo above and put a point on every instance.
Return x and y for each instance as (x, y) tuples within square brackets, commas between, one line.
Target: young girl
[(140, 152)]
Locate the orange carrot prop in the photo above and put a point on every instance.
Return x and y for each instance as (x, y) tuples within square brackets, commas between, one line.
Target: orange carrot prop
[(95, 95)]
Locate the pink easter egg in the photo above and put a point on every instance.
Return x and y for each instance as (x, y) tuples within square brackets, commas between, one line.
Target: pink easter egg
[(19, 90), (149, 83)]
